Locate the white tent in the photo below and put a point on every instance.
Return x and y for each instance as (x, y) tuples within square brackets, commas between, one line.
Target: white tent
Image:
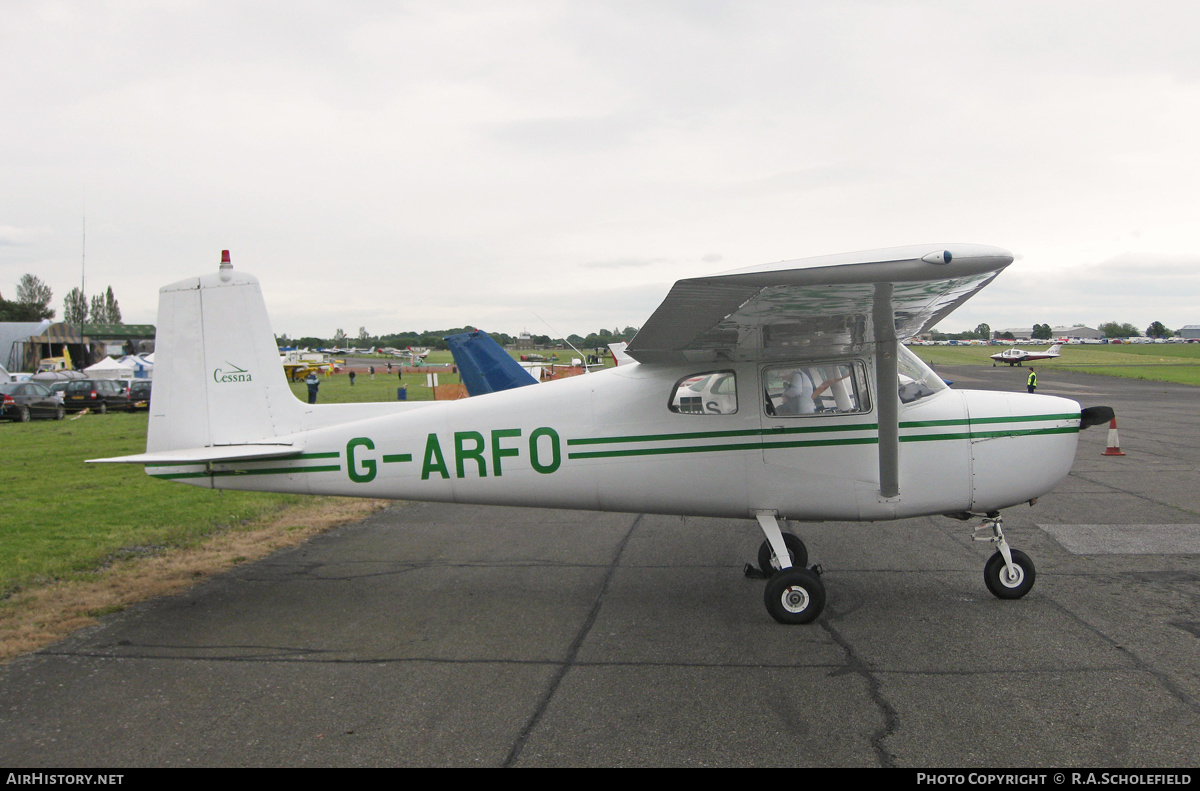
[(142, 368), (108, 368)]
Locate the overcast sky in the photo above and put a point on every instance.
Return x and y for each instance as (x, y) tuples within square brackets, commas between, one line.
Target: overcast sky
[(425, 165)]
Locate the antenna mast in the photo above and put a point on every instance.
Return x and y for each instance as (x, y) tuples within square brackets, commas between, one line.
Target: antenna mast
[(83, 355)]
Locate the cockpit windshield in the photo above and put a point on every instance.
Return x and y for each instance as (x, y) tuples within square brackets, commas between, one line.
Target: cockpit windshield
[(917, 380)]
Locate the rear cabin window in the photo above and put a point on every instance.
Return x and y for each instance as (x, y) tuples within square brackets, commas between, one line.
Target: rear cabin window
[(800, 390), (712, 393)]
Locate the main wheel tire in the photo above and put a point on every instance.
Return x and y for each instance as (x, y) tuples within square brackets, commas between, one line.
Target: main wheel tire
[(1004, 586), (794, 596), (769, 564)]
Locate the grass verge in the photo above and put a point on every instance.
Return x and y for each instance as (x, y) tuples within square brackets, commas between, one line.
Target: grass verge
[(79, 540)]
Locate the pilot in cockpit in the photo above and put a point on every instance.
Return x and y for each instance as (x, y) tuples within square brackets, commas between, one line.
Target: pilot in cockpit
[(798, 395)]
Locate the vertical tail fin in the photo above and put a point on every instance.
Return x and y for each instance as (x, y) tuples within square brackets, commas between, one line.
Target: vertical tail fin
[(484, 366), (218, 379)]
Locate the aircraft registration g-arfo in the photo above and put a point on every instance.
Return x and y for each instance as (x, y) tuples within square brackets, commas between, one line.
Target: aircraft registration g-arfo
[(1015, 356), (773, 393)]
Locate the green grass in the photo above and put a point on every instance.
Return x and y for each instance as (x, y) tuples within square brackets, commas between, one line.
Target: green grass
[(1162, 362), (61, 516), (336, 388)]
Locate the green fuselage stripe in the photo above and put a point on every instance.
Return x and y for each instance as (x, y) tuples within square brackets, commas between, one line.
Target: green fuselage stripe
[(748, 432), (980, 420), (256, 471), (765, 443)]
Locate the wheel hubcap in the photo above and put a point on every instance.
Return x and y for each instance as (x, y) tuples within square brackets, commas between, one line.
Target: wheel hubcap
[(1012, 579), (795, 599)]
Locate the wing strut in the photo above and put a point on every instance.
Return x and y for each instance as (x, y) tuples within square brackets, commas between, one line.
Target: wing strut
[(887, 378)]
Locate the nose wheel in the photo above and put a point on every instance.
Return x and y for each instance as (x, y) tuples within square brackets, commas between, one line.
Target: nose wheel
[(1009, 573), (1009, 581)]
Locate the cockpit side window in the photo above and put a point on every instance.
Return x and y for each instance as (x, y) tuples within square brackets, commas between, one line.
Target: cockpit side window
[(711, 393), (802, 389)]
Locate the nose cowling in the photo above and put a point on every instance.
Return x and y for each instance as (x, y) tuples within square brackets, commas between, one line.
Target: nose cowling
[(1022, 446)]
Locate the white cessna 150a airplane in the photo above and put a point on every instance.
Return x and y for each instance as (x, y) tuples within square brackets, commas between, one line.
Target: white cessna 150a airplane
[(774, 393)]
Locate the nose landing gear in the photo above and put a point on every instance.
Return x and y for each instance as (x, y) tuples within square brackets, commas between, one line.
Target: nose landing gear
[(1009, 573)]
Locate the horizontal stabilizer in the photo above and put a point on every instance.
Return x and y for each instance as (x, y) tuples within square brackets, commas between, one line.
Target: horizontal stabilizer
[(202, 455)]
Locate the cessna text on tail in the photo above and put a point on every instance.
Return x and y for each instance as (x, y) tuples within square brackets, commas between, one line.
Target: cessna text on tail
[(775, 393)]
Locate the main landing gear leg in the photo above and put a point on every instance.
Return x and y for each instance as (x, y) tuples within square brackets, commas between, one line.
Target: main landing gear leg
[(1009, 573), (794, 594)]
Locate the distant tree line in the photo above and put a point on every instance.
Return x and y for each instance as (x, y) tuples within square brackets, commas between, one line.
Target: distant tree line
[(602, 338), (1114, 329), (100, 309), (432, 339), (1111, 329), (33, 304)]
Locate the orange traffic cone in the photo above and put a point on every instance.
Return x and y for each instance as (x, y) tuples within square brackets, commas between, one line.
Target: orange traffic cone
[(1114, 445)]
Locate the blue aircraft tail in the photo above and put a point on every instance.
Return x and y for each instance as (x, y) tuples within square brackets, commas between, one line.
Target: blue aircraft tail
[(484, 366)]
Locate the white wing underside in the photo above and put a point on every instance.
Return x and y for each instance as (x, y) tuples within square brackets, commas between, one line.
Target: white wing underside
[(812, 307)]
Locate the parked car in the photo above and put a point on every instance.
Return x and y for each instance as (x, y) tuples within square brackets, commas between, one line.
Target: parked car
[(139, 393), (23, 401), (98, 394)]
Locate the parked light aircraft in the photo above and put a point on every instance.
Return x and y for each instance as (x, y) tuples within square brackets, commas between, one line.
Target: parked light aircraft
[(1015, 356), (414, 356), (348, 350), (774, 393)]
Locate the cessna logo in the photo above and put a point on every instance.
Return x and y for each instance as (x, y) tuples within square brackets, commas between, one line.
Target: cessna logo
[(230, 374)]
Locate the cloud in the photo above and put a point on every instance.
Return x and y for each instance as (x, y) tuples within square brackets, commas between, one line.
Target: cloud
[(621, 263), (11, 235)]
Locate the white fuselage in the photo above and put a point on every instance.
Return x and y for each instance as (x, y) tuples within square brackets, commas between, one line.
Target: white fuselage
[(611, 441)]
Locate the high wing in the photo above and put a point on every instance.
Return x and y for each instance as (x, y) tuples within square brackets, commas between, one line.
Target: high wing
[(814, 306)]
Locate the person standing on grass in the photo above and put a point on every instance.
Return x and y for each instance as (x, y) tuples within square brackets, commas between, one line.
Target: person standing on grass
[(313, 384), (1031, 383), (352, 378)]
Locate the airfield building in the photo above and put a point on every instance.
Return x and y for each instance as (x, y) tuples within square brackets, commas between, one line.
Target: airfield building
[(1190, 331)]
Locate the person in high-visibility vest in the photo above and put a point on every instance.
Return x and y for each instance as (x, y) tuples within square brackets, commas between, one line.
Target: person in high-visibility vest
[(1032, 383)]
